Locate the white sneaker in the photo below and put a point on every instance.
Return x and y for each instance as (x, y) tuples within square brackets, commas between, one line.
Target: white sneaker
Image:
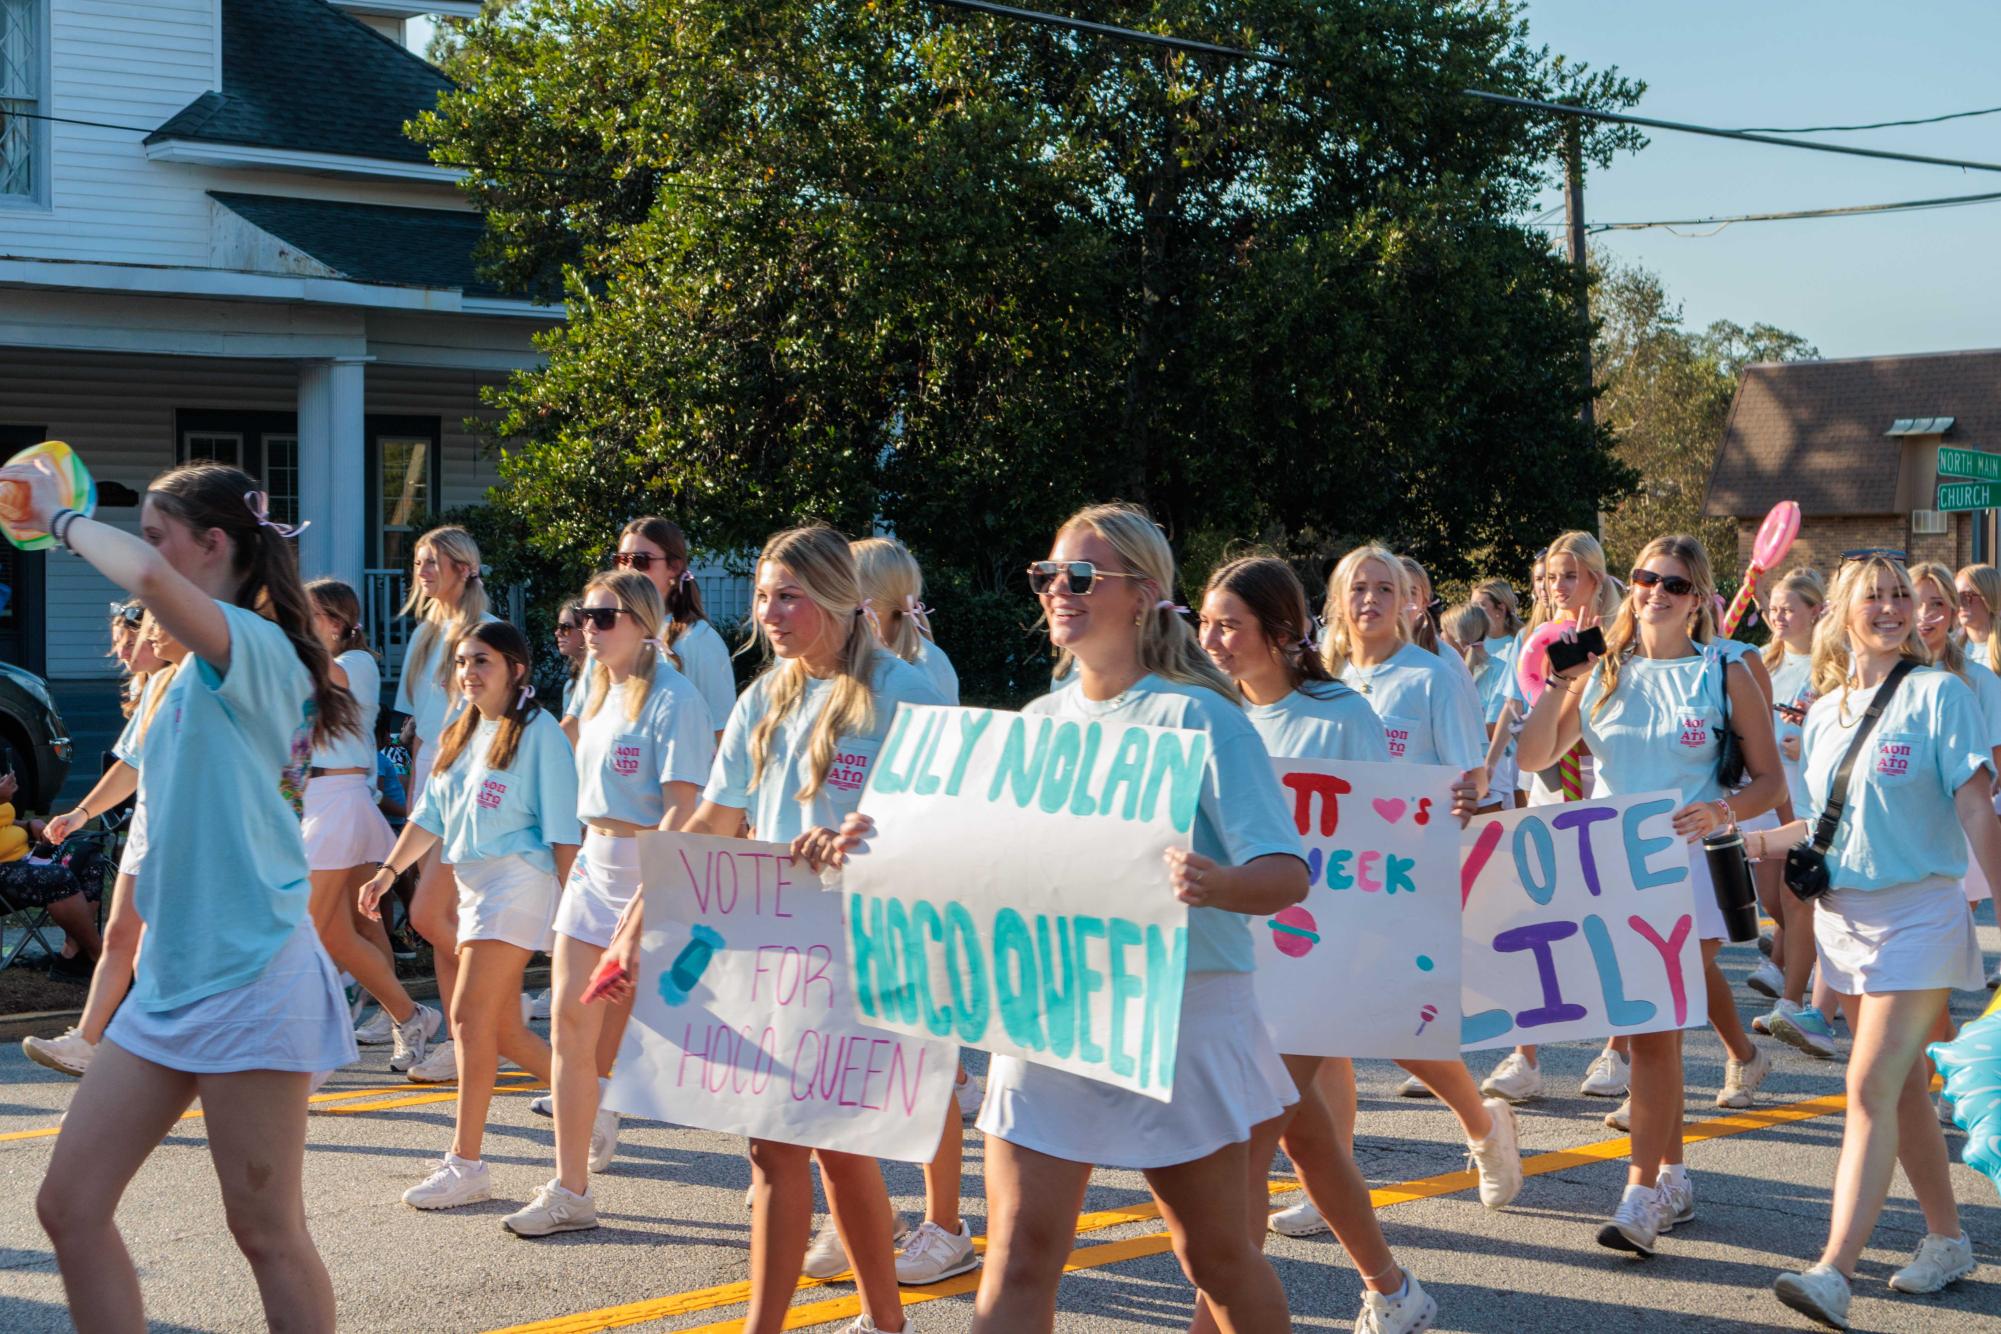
[(553, 1210), (439, 1066), (1413, 1087), (1766, 979), (453, 1183), (1742, 1078), (1608, 1076), (967, 1091), (931, 1254), (68, 1055), (543, 1104), (1498, 1157), (1406, 1314), (1820, 1292), (379, 1031), (1677, 1190), (863, 1325), (1621, 1117), (1636, 1225), (1939, 1261), (825, 1256), (538, 1005), (604, 1139), (1301, 1220), (412, 1038), (1514, 1079)]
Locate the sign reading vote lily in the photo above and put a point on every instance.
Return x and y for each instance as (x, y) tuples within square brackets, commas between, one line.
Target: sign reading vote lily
[(1579, 922), (1014, 896), (743, 1022), (1368, 965)]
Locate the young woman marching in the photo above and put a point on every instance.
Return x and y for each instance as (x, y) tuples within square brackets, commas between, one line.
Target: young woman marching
[(1428, 717), (235, 1002), (570, 648), (448, 598), (502, 799), (1634, 708), (346, 836), (832, 691), (1503, 645), (1979, 589), (1256, 628), (1893, 936), (644, 746), (893, 585)]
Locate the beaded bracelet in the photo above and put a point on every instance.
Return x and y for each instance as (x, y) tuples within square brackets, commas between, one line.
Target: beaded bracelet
[(61, 523)]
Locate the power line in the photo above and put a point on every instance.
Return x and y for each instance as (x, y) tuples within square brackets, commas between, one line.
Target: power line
[(1873, 125), (1112, 30), (1854, 210)]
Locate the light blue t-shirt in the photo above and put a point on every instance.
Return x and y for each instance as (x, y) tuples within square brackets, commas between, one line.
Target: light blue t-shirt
[(938, 670), (776, 813), (1792, 684), (1242, 814), (705, 661), (1324, 720), (131, 739), (1987, 694), (356, 749), (1659, 733), (1899, 825), (226, 881), (1976, 650), (481, 812), (623, 762), (419, 693), (1428, 715), (1497, 678)]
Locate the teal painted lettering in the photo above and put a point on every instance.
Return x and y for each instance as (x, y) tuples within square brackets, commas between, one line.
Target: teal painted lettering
[(1639, 849), (868, 951), (1622, 1011), (1396, 873), (1160, 1039), (1080, 793), (971, 725), (972, 1002), (886, 778), (896, 923), (1477, 1029), (1019, 772), (1181, 770), (1128, 771), (1121, 935), (924, 920), (1059, 1007), (1015, 982), (927, 782), (1089, 979), (1532, 833), (1061, 771), (1338, 875)]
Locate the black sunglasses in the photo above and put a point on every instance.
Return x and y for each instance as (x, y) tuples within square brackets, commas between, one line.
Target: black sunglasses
[(604, 618), (1080, 577), (1870, 553), (636, 560), (1673, 583), (570, 627)]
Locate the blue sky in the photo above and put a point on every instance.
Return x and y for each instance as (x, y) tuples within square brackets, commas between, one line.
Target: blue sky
[(1917, 282)]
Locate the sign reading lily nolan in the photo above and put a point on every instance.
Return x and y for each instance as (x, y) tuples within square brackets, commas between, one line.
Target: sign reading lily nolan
[(1014, 895), (743, 1021), (1579, 923), (1369, 964)]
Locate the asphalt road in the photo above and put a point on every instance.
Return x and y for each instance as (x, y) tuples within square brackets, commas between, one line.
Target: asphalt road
[(673, 1252)]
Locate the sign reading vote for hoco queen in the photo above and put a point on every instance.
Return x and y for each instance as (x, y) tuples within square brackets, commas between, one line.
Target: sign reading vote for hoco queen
[(743, 1022), (1015, 897)]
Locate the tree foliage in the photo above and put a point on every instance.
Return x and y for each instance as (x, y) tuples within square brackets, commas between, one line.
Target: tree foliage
[(883, 263)]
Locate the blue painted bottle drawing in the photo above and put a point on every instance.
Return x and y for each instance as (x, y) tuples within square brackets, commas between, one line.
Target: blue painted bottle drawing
[(689, 965)]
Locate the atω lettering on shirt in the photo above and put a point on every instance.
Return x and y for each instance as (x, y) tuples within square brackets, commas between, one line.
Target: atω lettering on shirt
[(490, 793), (1893, 759), (849, 771), (1694, 732), (624, 758)]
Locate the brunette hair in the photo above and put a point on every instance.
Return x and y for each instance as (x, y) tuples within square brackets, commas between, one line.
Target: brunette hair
[(512, 645), (335, 598), (683, 601), (1423, 629), (1276, 598)]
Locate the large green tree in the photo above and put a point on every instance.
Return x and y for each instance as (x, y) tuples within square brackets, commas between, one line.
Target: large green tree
[(882, 262)]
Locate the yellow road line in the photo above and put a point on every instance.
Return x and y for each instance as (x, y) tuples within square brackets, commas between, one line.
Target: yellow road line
[(848, 1306), (321, 1101)]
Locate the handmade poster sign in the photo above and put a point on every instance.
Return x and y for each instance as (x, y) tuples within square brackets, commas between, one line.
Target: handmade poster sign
[(1369, 964), (743, 1022), (1014, 896), (1579, 923)]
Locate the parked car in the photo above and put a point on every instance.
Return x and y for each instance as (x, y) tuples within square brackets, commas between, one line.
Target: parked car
[(34, 744)]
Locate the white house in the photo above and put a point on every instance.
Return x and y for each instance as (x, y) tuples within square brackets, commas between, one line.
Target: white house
[(216, 242)]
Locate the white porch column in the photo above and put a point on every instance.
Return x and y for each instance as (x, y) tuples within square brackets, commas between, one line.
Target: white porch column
[(332, 485)]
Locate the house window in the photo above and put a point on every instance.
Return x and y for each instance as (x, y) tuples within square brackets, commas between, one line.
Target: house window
[(22, 81), (263, 444), (402, 485)]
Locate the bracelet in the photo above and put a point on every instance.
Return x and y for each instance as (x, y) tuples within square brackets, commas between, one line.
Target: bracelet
[(83, 810), (1729, 816), (60, 523), (385, 866)]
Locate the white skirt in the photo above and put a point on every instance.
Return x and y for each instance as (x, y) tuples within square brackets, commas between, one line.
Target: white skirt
[(1916, 937), (1227, 1078), (292, 1016), (135, 842), (507, 898), (602, 881), (342, 825)]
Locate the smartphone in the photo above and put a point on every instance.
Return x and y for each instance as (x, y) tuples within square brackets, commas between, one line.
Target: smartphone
[(607, 976), (1567, 653), (1792, 713)]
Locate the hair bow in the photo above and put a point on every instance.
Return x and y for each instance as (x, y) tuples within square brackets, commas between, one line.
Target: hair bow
[(259, 503)]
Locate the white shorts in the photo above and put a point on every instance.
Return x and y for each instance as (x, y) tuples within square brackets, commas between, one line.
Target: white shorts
[(1916, 937), (1227, 1078), (342, 825), (135, 842), (509, 899), (602, 881), (292, 1016)]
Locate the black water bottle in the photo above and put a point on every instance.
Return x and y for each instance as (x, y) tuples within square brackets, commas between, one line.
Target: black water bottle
[(1730, 874)]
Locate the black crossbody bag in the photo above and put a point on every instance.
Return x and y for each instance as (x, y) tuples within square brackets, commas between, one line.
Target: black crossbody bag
[(1806, 871)]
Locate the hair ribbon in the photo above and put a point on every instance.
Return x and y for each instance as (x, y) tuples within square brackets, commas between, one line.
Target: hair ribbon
[(259, 503), (527, 693)]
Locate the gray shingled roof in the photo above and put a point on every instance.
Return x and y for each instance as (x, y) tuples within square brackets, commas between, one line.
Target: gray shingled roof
[(373, 243), (300, 75)]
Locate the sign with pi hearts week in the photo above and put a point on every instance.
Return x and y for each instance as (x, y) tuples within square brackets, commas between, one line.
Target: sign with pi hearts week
[(1368, 965)]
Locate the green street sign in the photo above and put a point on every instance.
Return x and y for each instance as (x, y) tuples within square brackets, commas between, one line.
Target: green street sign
[(1968, 463), (1968, 495)]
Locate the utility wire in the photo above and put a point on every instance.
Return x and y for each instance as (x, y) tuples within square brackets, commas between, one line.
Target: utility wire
[(1112, 30), (1855, 210), (1873, 125)]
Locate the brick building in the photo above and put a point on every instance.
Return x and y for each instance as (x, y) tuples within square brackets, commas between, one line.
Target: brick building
[(1856, 443)]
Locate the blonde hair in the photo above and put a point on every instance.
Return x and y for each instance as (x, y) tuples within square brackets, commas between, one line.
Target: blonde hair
[(637, 597), (1953, 659), (1804, 583), (439, 624), (819, 560), (1832, 657), (1584, 548), (1986, 580), (1168, 647), (1340, 642), (1502, 594), (1423, 629), (892, 587), (1467, 626), (1622, 640)]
